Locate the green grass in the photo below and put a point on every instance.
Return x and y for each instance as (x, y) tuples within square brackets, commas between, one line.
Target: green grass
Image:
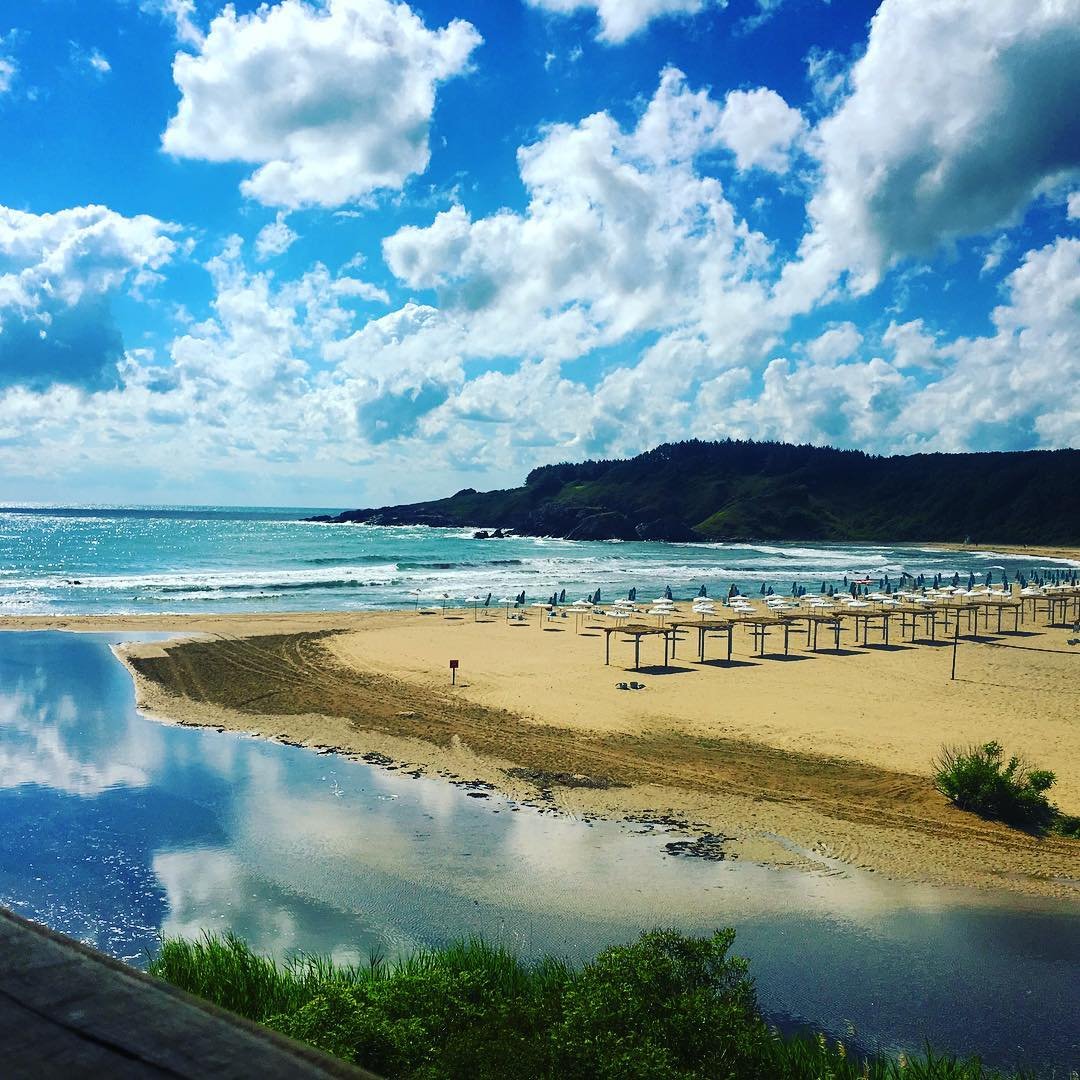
[(667, 1007)]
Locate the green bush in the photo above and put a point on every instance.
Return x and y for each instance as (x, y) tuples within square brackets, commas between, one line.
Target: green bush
[(977, 778), (666, 1007)]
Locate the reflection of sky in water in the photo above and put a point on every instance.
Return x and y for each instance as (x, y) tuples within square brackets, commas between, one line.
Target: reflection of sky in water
[(117, 828)]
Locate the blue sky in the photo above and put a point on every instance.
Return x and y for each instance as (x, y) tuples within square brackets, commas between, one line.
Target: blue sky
[(347, 252)]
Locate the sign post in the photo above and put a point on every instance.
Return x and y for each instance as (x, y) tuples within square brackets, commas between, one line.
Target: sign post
[(453, 672)]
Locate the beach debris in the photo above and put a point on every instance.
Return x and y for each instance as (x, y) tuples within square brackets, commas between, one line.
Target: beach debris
[(709, 847), (375, 758), (544, 779)]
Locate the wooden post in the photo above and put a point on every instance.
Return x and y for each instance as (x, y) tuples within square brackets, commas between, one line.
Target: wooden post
[(955, 643)]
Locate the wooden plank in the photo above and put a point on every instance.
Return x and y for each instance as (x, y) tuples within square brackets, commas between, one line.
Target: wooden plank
[(67, 1010)]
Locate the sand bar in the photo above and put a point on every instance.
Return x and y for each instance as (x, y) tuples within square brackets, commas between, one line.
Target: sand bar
[(805, 760)]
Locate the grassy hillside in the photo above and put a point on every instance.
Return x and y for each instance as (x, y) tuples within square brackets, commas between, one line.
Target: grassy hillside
[(775, 491)]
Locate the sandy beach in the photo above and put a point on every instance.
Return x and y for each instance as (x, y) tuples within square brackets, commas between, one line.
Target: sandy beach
[(815, 759)]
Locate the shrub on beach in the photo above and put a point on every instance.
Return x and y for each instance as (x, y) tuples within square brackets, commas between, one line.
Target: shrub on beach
[(978, 778), (666, 1007)]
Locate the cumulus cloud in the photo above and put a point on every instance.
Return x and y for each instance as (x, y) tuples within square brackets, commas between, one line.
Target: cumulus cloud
[(982, 393), (835, 344), (1073, 205), (333, 102), (622, 19), (274, 239), (993, 393), (958, 114), (56, 273), (761, 129), (621, 235), (912, 345)]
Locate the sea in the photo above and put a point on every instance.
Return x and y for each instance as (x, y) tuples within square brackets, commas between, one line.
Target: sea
[(192, 559)]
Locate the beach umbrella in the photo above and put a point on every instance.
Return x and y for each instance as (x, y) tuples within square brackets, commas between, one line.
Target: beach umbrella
[(845, 581), (521, 597), (823, 586), (971, 581), (562, 597), (416, 602), (487, 602), (476, 601), (632, 594), (507, 601), (667, 593), (596, 597), (769, 591), (545, 606), (763, 588), (445, 597), (702, 591)]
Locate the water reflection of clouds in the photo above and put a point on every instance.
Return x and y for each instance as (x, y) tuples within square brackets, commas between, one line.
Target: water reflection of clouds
[(35, 751), (209, 888)]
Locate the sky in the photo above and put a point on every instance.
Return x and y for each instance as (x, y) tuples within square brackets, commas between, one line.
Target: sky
[(353, 252)]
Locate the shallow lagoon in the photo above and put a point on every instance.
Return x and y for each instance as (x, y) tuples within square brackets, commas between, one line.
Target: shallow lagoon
[(118, 828)]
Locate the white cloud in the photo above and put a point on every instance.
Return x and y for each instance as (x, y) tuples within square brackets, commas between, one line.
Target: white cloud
[(274, 238), (8, 67), (622, 19), (995, 252), (65, 256), (994, 393), (181, 13), (333, 102), (92, 60), (835, 344), (761, 129), (912, 345), (959, 113), (1073, 205), (621, 236), (57, 272)]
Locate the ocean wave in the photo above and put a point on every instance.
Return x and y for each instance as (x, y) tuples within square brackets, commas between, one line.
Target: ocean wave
[(344, 560)]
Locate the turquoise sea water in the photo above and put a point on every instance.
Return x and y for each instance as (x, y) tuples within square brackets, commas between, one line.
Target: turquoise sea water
[(65, 560), (117, 828)]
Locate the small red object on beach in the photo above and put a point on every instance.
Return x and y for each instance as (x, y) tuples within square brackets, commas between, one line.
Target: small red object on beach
[(453, 672)]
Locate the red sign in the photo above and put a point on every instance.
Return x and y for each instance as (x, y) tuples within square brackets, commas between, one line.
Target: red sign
[(453, 663)]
